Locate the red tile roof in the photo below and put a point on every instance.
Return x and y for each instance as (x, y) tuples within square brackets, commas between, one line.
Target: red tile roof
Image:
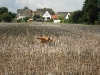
[(54, 16)]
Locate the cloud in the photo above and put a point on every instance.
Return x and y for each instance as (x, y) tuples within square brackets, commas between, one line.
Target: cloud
[(56, 5)]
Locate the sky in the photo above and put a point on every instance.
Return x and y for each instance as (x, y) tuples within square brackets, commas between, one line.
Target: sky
[(56, 5)]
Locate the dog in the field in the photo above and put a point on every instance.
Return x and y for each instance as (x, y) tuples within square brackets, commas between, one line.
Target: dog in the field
[(44, 39)]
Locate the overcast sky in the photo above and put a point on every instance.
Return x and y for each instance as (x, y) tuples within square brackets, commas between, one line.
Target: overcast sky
[(56, 5)]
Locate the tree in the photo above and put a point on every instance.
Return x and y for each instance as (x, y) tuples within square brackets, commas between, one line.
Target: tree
[(75, 16), (60, 17), (90, 11), (36, 17), (52, 12), (6, 17), (3, 10), (94, 14), (14, 15), (10, 13), (99, 12)]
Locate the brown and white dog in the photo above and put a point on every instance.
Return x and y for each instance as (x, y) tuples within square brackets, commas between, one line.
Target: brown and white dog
[(44, 39)]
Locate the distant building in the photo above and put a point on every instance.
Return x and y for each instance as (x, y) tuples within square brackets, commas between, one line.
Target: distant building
[(21, 13), (46, 13), (64, 14), (67, 17), (41, 11), (46, 16)]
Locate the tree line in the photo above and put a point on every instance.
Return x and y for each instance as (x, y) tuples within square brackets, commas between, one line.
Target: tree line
[(89, 14), (5, 15)]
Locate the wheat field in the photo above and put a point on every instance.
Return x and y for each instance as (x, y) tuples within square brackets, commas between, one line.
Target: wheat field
[(74, 51)]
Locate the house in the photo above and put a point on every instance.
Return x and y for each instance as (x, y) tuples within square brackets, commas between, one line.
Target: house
[(67, 17), (46, 13), (64, 14), (41, 11), (21, 13), (46, 16)]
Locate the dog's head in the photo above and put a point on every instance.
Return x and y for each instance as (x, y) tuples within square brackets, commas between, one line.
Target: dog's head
[(50, 39)]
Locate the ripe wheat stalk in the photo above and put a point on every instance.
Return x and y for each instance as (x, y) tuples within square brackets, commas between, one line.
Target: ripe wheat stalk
[(74, 51)]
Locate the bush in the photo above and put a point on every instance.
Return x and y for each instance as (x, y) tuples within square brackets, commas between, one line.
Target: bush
[(51, 20), (6, 17), (19, 20), (26, 18), (62, 21), (97, 22)]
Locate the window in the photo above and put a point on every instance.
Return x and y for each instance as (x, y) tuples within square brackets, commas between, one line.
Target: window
[(48, 17)]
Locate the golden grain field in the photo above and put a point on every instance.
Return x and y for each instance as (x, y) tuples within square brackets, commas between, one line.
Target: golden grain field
[(74, 51)]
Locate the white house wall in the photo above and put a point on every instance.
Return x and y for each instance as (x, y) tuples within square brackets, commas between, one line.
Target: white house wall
[(67, 17), (46, 15), (21, 17)]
